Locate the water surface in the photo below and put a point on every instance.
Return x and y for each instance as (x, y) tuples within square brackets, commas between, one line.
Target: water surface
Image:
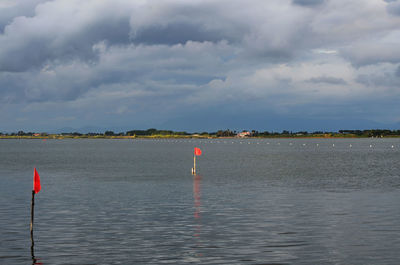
[(254, 201)]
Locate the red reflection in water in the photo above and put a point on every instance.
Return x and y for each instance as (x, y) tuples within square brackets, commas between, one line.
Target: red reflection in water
[(35, 261), (196, 195), (197, 211)]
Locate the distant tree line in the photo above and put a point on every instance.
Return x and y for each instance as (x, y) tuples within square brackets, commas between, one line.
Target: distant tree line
[(221, 133), (153, 131), (371, 133), (22, 133), (225, 133)]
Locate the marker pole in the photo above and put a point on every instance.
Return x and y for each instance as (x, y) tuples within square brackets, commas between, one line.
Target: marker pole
[(32, 216), (194, 165)]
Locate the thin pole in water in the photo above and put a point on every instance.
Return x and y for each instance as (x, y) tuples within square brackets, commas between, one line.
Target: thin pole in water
[(194, 165), (32, 217), (36, 188)]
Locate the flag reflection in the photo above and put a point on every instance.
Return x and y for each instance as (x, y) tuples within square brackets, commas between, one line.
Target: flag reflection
[(197, 211), (197, 195), (35, 260)]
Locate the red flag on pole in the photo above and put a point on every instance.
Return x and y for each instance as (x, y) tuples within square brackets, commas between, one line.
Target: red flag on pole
[(36, 181), (197, 151)]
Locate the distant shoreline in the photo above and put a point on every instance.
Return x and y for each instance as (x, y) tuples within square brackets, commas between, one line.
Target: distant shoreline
[(220, 134), (58, 137)]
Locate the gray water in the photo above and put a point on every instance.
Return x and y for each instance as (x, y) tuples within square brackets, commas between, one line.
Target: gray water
[(268, 201)]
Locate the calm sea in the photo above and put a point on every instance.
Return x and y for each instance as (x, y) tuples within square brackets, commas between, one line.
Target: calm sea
[(268, 201)]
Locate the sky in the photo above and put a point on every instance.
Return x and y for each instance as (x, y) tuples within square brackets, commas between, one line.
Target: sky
[(199, 65)]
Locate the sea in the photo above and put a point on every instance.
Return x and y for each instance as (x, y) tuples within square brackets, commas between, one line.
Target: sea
[(252, 201)]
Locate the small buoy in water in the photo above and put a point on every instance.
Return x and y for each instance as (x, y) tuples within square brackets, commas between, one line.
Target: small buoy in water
[(392, 146), (333, 145), (317, 144), (350, 146), (370, 145), (304, 144), (290, 144)]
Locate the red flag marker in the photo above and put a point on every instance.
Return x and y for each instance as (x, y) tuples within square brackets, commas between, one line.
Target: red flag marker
[(197, 151), (36, 181), (36, 188)]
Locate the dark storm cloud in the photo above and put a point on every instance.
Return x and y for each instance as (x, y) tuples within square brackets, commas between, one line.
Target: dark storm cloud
[(327, 80), (178, 22), (64, 84), (160, 69), (31, 42), (50, 36), (394, 8), (384, 79), (131, 60), (361, 54), (308, 2), (178, 33), (12, 88)]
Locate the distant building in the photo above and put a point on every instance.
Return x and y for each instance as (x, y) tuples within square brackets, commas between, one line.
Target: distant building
[(36, 134), (244, 134)]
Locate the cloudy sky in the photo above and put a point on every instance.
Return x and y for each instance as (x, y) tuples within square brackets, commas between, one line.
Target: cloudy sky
[(199, 64)]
